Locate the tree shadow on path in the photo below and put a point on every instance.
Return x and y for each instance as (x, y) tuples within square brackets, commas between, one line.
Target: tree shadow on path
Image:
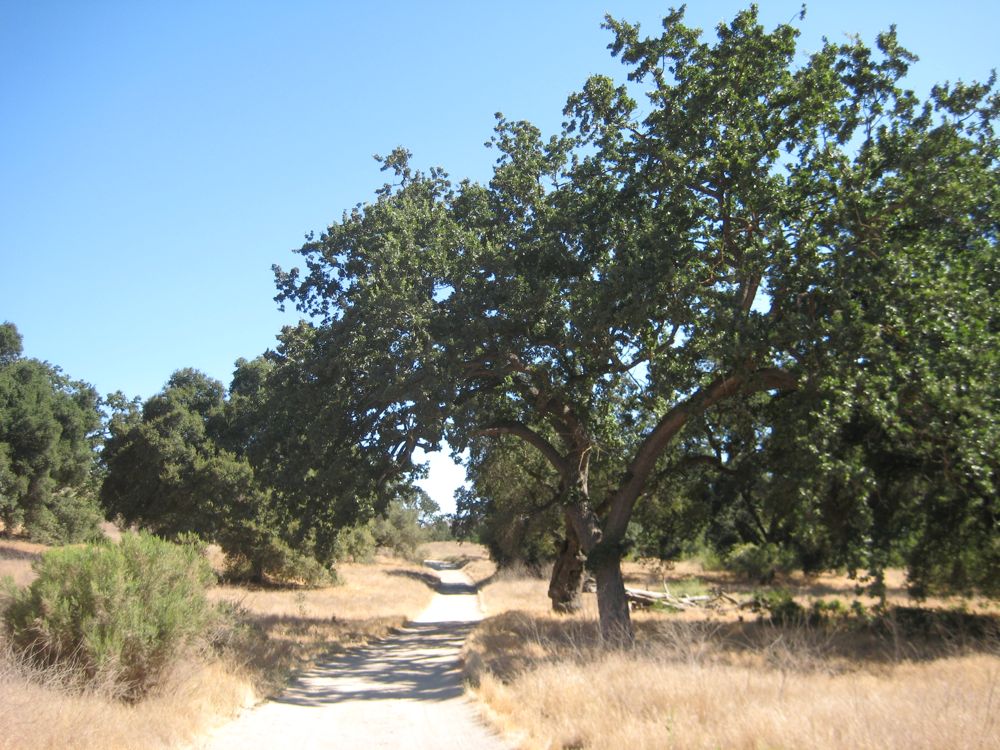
[(419, 663)]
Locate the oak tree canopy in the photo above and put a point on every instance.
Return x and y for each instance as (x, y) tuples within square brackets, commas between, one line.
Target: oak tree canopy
[(735, 224)]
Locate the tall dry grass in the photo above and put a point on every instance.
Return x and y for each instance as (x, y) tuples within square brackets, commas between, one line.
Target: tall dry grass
[(645, 701), (726, 680), (41, 712), (281, 630)]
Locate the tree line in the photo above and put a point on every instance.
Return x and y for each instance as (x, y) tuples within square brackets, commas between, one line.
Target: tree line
[(196, 460), (744, 297)]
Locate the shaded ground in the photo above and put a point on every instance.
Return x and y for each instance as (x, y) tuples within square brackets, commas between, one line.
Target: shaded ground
[(403, 692)]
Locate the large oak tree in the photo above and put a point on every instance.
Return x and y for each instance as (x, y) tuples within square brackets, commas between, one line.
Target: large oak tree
[(760, 225)]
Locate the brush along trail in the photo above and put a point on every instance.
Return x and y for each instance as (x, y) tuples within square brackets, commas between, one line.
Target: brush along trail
[(403, 692)]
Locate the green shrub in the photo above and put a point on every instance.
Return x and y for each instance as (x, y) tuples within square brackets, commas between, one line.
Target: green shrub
[(398, 531), (69, 518), (355, 543), (779, 606), (261, 556), (113, 615), (822, 610), (758, 562)]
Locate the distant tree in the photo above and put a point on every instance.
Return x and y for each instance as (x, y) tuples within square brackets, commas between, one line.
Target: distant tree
[(49, 430), (289, 420), (11, 343), (169, 470), (808, 233), (425, 507), (164, 469), (512, 504)]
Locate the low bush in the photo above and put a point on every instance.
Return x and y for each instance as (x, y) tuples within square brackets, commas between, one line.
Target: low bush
[(779, 606), (355, 544), (257, 554), (271, 559), (114, 616), (758, 562), (398, 531), (69, 518)]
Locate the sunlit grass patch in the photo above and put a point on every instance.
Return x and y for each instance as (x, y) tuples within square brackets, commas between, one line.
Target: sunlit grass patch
[(548, 681)]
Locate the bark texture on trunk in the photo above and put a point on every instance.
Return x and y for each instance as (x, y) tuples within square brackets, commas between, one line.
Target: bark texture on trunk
[(566, 585), (612, 604)]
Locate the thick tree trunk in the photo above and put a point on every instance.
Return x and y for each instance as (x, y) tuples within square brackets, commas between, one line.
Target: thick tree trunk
[(612, 604), (566, 585)]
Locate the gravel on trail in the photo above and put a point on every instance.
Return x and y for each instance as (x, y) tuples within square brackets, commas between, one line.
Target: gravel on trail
[(403, 692)]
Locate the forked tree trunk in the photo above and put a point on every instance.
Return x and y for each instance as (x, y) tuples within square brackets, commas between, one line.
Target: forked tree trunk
[(566, 585)]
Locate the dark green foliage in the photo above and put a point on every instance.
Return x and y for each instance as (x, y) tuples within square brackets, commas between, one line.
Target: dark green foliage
[(760, 563), (285, 419), (169, 470), (254, 556), (796, 235), (116, 615), (264, 471), (11, 343), (164, 468), (952, 626), (411, 519), (70, 516), (511, 505), (49, 427), (355, 543), (779, 606), (398, 531)]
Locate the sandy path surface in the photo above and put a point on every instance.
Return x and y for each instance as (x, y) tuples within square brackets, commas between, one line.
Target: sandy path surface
[(403, 692)]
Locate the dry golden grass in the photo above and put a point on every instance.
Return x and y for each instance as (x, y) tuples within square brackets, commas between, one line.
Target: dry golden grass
[(284, 629), (40, 714), (16, 558), (642, 702), (295, 627), (701, 679), (520, 590)]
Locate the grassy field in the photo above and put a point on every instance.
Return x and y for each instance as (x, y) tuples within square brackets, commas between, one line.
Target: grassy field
[(700, 678), (283, 629), (725, 678)]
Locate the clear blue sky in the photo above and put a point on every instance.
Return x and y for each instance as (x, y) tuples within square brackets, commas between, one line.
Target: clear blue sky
[(157, 158)]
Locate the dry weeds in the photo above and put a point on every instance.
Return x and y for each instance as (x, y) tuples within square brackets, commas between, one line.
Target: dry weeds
[(643, 702), (708, 679), (41, 712), (285, 629)]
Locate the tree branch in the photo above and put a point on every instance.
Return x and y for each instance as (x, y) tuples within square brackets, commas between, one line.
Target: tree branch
[(672, 422), (528, 435)]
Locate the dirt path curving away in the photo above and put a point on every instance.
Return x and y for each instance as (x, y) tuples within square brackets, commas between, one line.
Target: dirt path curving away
[(404, 692)]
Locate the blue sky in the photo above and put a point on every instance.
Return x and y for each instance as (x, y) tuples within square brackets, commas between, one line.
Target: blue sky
[(157, 158)]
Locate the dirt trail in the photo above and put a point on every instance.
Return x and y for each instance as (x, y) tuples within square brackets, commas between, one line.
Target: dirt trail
[(402, 692)]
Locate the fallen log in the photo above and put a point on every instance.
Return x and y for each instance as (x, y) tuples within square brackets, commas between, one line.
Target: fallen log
[(644, 598)]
